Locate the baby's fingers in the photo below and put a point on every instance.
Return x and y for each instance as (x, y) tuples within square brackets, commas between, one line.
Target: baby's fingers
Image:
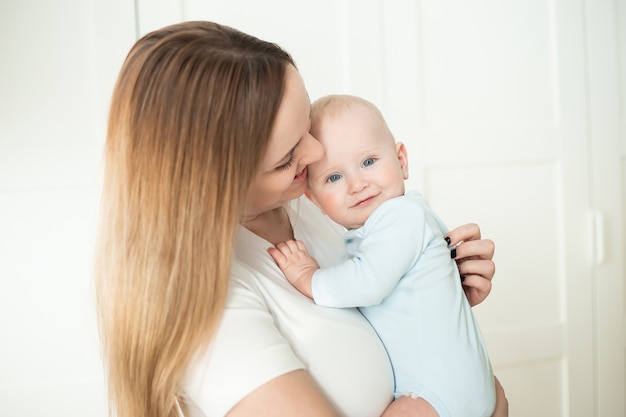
[(292, 246), (278, 256)]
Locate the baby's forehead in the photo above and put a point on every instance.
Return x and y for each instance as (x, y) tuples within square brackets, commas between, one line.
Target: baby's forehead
[(340, 106), (365, 131), (365, 111), (329, 113)]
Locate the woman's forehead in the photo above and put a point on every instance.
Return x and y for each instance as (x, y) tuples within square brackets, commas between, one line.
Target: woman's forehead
[(292, 119)]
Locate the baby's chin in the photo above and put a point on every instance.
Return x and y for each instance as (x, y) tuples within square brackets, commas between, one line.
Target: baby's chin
[(356, 223)]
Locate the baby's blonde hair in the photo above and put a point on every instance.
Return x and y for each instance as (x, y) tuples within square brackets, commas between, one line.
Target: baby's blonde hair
[(333, 105)]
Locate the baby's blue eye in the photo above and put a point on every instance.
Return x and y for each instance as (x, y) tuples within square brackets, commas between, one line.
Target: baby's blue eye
[(334, 177), (368, 162)]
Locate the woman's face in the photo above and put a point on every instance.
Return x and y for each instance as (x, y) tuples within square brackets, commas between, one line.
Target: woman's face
[(282, 175)]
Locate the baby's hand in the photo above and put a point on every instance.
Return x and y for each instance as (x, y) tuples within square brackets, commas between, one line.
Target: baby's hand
[(297, 265)]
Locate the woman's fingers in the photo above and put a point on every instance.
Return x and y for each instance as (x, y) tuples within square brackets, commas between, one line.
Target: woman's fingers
[(475, 249), (469, 244), (474, 259), (485, 268), (476, 288), (464, 233), (476, 276)]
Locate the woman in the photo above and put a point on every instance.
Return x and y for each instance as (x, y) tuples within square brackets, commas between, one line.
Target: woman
[(206, 151)]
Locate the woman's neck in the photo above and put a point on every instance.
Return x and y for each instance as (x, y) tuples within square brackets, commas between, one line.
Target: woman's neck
[(273, 226)]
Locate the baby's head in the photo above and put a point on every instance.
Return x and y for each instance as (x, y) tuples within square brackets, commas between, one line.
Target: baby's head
[(363, 165)]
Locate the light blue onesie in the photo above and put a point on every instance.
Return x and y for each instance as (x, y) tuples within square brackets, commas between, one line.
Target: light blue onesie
[(399, 272)]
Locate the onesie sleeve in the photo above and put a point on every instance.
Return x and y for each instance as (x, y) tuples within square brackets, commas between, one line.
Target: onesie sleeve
[(392, 241), (247, 351)]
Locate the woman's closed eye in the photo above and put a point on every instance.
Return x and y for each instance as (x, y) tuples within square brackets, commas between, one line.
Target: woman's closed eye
[(286, 165)]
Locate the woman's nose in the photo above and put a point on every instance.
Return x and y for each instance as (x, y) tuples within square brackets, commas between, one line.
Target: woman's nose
[(311, 150)]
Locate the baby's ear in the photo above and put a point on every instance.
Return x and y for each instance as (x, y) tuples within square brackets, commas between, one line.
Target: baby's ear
[(403, 159), (310, 196)]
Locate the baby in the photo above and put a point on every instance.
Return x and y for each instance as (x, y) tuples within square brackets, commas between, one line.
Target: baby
[(399, 270)]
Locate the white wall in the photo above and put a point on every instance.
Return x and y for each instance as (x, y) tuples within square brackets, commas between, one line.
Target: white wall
[(56, 74), (58, 62)]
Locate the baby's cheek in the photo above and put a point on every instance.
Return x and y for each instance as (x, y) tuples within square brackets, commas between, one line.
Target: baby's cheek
[(331, 203), (328, 201)]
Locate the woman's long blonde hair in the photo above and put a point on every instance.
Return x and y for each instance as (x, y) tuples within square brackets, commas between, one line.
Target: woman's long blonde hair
[(191, 115)]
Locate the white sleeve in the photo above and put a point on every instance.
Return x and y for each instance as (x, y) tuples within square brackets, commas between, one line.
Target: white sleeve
[(392, 241), (247, 351)]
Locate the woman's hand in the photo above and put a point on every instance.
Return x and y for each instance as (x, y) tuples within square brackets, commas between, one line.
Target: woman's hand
[(474, 260)]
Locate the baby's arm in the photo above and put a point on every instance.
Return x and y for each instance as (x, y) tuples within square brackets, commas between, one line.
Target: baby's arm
[(296, 263)]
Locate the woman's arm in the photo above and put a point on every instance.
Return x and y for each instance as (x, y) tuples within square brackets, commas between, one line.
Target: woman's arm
[(417, 407), (474, 259), (291, 394), (502, 404)]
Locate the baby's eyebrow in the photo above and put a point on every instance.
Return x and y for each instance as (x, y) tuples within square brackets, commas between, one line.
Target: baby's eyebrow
[(324, 173)]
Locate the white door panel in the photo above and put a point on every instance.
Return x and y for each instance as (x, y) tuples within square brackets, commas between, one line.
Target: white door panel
[(606, 23)]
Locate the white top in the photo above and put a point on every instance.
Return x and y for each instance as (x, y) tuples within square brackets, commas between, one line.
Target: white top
[(400, 272), (269, 329)]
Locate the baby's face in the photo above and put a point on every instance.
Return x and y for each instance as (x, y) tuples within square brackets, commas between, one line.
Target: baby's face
[(362, 168)]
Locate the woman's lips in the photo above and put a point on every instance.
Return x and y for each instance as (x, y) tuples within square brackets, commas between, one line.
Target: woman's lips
[(300, 176)]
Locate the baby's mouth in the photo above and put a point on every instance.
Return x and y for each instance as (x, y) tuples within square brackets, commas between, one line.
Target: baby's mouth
[(365, 201)]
